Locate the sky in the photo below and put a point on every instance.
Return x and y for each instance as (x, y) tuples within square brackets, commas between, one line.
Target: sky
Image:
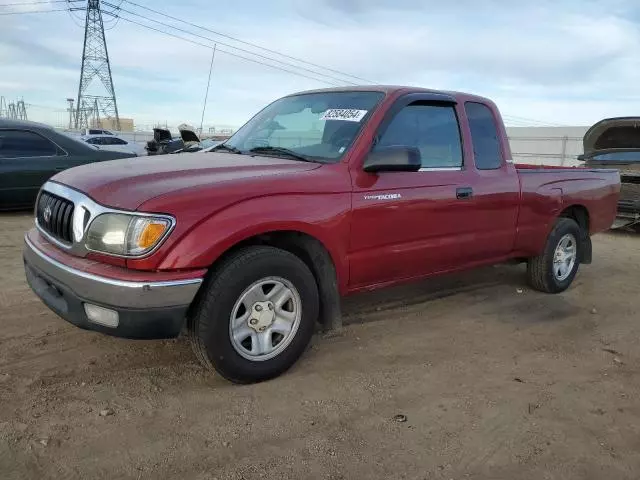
[(565, 62)]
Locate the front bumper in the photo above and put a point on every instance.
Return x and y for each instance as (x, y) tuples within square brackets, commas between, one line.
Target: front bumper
[(146, 309)]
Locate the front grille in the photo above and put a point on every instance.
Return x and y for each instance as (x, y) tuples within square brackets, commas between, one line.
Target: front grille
[(55, 216)]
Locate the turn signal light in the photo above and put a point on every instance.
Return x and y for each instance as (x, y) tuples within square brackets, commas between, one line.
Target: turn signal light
[(151, 234)]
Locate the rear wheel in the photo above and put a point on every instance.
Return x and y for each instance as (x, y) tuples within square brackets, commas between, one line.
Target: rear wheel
[(256, 316), (554, 270)]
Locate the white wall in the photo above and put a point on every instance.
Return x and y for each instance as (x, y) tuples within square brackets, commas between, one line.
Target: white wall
[(546, 145)]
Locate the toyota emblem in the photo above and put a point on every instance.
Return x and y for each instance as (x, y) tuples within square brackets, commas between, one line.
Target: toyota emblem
[(47, 214)]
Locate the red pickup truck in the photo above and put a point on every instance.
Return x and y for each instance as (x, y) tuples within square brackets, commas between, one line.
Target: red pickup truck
[(321, 194)]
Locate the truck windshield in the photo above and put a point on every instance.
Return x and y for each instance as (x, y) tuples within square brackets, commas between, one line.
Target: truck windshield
[(316, 126)]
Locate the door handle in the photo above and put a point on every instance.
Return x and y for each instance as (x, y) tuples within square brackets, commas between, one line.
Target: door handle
[(464, 192)]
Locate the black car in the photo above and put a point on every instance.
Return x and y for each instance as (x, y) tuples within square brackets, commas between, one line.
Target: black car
[(31, 153)]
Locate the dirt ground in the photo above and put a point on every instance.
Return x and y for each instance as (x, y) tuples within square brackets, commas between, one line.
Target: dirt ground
[(496, 382)]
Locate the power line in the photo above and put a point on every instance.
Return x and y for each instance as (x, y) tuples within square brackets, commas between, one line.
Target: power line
[(112, 22), (525, 123), (34, 11), (73, 17), (117, 17), (271, 59), (36, 3), (249, 43), (226, 52), (532, 121), (222, 51), (45, 107)]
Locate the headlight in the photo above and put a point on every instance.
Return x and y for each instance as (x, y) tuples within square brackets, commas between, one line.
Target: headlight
[(127, 235)]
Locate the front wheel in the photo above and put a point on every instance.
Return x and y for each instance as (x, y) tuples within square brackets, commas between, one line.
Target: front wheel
[(554, 270), (256, 316)]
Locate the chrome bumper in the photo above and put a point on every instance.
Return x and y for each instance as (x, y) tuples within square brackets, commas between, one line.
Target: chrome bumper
[(108, 291)]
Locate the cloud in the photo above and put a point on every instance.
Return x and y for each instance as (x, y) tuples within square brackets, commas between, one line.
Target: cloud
[(562, 62)]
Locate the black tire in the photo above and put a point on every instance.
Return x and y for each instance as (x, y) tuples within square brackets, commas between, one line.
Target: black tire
[(540, 269), (208, 326)]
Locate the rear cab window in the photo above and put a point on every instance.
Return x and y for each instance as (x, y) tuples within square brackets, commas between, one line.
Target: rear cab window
[(430, 127), (484, 136)]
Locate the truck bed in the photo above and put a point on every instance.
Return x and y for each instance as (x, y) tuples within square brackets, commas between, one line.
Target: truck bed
[(548, 190)]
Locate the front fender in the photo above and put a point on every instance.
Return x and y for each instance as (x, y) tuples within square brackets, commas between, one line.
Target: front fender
[(322, 216)]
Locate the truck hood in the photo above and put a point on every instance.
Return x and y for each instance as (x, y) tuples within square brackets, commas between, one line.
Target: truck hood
[(128, 183), (612, 133)]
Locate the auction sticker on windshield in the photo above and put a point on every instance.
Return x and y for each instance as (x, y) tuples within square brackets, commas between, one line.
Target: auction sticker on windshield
[(348, 114)]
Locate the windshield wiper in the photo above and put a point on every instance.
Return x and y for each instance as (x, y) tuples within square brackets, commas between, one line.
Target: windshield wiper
[(281, 151), (228, 148)]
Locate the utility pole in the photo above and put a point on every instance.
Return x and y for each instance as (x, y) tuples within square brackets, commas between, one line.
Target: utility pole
[(206, 95), (95, 65), (3, 108), (70, 100)]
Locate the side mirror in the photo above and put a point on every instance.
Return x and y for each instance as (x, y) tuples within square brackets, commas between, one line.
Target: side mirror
[(581, 157), (393, 159)]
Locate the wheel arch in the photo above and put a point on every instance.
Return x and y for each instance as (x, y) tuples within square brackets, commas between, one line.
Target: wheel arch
[(580, 214), (313, 252)]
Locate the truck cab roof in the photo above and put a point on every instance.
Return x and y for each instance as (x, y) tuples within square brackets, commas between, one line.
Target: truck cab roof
[(401, 90)]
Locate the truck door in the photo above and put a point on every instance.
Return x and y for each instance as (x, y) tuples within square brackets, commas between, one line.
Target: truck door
[(496, 188), (409, 224)]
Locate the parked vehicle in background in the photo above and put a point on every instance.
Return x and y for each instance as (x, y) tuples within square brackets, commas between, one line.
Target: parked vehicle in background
[(116, 144), (615, 143), (94, 131), (203, 146), (31, 153), (164, 143), (321, 194)]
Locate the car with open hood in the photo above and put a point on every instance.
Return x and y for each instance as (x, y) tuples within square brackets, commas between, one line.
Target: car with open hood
[(205, 145), (615, 143), (163, 142)]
